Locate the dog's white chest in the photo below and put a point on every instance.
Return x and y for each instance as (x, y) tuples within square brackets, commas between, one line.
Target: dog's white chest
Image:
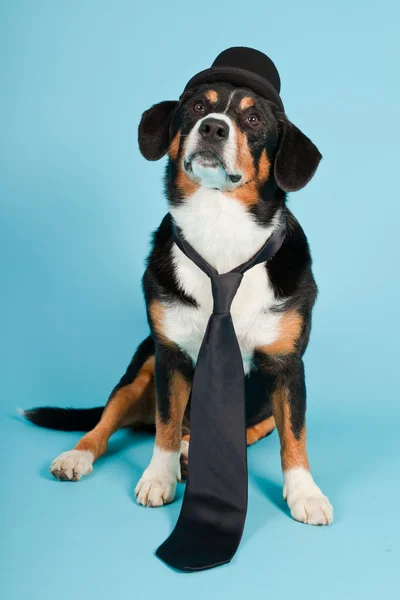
[(255, 324), (225, 234)]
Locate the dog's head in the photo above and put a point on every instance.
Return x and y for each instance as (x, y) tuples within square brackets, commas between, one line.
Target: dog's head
[(228, 138)]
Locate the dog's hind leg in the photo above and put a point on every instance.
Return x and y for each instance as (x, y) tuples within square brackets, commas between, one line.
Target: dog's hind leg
[(130, 404)]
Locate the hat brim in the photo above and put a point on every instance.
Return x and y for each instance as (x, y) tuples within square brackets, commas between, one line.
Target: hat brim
[(240, 78)]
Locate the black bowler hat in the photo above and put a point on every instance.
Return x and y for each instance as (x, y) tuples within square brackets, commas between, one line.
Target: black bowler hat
[(244, 67)]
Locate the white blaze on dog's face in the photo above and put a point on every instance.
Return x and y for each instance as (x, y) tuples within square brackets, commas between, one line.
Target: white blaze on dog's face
[(210, 151)]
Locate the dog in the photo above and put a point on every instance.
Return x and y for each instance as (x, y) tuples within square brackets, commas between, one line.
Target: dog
[(232, 157)]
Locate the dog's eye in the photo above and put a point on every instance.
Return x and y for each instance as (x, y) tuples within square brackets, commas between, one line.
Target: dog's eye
[(199, 107), (252, 120)]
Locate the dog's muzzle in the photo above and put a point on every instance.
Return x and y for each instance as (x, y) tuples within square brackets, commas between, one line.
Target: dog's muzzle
[(211, 151)]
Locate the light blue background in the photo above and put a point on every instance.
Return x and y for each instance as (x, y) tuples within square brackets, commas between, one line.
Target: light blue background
[(78, 203)]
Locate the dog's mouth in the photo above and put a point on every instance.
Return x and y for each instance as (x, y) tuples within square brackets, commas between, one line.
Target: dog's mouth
[(208, 163)]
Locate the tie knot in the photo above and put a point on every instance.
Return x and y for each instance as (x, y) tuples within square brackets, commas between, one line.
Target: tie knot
[(224, 288)]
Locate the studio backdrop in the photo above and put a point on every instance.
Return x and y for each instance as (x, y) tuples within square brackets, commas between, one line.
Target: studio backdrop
[(78, 204)]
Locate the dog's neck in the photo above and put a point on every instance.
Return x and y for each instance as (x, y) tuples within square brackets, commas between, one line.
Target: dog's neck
[(221, 229)]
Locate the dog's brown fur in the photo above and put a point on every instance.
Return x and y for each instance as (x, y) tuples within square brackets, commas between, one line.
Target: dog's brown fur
[(135, 405)]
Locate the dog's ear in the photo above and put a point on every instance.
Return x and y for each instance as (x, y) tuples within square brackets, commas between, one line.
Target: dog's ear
[(297, 158), (154, 129)]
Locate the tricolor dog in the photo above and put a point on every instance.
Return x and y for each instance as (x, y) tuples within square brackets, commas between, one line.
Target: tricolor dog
[(232, 156)]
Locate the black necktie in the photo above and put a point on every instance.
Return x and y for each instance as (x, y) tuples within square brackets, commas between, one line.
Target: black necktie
[(213, 513)]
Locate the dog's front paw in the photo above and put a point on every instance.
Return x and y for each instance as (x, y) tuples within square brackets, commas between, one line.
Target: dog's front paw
[(306, 501), (158, 483), (72, 465), (313, 510), (155, 490)]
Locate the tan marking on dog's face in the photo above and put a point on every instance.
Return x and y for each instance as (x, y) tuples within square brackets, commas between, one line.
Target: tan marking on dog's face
[(293, 449), (248, 192), (169, 434), (133, 403), (290, 328), (246, 103), (185, 184), (212, 96), (174, 147), (264, 167), (245, 160), (260, 430)]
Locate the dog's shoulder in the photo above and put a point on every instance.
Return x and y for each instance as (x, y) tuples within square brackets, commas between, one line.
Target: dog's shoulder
[(159, 279), (290, 270), (161, 238)]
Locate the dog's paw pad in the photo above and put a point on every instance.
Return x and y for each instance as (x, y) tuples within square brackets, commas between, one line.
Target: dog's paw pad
[(155, 491), (72, 465)]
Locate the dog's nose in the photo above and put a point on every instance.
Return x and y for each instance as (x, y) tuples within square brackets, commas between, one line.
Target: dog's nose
[(214, 130)]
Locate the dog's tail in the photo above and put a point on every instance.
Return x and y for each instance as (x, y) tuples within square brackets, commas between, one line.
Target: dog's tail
[(64, 419), (85, 419)]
